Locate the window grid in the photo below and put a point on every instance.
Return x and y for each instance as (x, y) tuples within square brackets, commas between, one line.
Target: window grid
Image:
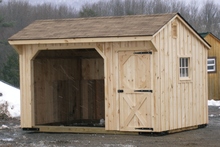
[(211, 65), (184, 67)]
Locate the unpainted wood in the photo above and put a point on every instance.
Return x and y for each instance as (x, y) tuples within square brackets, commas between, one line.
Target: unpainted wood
[(186, 98), (62, 91), (134, 74), (93, 68), (81, 40), (26, 77), (67, 129), (112, 107)]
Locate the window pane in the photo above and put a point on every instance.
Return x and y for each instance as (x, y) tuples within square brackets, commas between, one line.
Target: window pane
[(210, 67), (184, 67), (211, 62), (183, 62), (186, 62), (186, 72)]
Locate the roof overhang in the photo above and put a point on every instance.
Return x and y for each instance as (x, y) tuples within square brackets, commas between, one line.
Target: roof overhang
[(79, 40)]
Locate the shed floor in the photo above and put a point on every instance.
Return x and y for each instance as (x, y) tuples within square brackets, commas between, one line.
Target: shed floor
[(80, 123)]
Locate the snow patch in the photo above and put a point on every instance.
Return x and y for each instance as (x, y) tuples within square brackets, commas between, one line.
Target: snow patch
[(7, 139), (213, 103), (4, 127), (9, 100)]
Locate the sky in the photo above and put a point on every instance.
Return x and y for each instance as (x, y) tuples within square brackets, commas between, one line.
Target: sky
[(79, 3)]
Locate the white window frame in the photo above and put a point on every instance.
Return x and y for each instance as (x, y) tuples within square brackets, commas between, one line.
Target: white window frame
[(184, 68), (211, 64)]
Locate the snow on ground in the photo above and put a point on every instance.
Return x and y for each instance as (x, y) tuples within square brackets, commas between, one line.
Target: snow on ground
[(10, 96), (213, 103)]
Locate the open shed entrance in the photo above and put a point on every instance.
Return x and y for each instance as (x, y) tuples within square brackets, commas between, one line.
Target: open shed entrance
[(69, 88)]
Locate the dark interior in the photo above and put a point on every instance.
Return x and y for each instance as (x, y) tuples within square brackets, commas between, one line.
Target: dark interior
[(69, 88)]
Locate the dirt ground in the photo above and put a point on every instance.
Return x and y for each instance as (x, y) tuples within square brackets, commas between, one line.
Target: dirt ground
[(11, 135)]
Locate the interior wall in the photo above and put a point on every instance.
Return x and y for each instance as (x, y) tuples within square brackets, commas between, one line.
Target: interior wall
[(69, 86)]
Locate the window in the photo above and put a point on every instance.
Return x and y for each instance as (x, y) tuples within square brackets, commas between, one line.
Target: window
[(184, 67), (211, 64)]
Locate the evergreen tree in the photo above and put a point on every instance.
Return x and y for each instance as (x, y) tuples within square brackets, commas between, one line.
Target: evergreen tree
[(86, 11), (10, 71), (9, 60)]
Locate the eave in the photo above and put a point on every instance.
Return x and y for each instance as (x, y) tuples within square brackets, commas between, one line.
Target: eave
[(79, 40)]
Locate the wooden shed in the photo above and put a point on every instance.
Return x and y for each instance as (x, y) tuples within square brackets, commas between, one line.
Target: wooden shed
[(213, 66), (143, 73)]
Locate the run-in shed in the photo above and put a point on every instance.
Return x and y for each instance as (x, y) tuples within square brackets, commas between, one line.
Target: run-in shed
[(143, 73)]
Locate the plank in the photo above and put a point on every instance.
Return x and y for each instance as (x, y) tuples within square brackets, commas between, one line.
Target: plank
[(162, 80), (79, 40), (92, 130), (157, 86)]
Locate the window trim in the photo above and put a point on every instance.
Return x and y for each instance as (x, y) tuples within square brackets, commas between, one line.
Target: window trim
[(188, 78), (215, 67)]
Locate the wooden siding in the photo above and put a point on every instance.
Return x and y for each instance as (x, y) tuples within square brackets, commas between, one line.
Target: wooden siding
[(109, 52), (112, 105), (179, 103), (214, 77), (85, 85), (26, 86)]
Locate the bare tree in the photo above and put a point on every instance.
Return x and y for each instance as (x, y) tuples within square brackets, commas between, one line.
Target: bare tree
[(210, 13)]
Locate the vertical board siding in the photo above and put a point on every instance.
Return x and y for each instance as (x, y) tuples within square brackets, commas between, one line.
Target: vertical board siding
[(182, 102), (214, 77), (175, 103), (112, 105), (26, 86), (55, 82), (157, 86), (109, 99)]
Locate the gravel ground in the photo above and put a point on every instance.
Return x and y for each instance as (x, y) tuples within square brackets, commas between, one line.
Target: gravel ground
[(11, 135)]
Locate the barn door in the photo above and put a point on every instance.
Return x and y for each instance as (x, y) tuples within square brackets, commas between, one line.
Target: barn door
[(135, 91)]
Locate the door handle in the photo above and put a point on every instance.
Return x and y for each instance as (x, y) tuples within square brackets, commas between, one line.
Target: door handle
[(120, 91), (143, 91)]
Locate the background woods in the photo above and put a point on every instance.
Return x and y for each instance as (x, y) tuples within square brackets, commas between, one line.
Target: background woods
[(15, 15)]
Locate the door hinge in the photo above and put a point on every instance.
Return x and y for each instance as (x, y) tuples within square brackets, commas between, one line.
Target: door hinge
[(120, 91), (143, 52), (143, 91)]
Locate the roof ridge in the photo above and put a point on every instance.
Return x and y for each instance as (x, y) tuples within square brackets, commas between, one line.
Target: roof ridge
[(105, 17)]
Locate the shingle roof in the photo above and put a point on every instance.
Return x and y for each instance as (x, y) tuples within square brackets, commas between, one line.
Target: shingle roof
[(121, 26)]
